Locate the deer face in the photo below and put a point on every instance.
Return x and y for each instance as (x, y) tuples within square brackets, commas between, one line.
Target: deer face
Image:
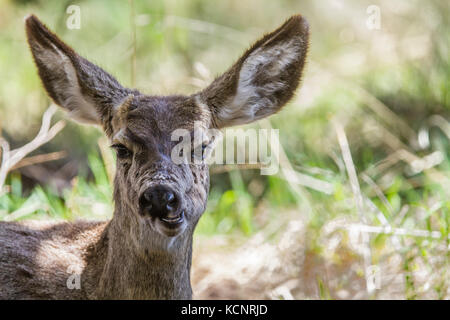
[(151, 188), (167, 195)]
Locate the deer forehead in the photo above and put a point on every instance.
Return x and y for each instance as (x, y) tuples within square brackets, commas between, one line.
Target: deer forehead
[(144, 117)]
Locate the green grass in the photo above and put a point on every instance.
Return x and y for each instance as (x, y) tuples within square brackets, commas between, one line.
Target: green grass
[(88, 199)]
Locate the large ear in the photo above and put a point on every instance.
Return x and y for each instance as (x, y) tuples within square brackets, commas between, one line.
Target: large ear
[(80, 87), (262, 80)]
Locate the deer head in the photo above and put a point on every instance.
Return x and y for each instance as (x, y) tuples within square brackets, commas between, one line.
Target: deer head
[(157, 199)]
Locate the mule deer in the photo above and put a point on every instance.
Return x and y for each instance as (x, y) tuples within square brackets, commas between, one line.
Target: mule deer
[(144, 251)]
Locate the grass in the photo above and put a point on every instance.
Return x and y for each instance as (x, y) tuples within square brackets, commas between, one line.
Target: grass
[(87, 199), (393, 108)]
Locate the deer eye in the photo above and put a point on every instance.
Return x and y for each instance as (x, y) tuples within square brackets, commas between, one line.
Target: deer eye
[(204, 146), (122, 151), (203, 154)]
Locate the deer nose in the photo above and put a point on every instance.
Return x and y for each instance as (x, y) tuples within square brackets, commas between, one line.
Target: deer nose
[(159, 202)]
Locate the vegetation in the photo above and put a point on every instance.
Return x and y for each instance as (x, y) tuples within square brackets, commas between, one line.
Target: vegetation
[(367, 138)]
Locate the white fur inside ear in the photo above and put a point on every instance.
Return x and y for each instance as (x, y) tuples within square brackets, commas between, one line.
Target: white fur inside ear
[(66, 86), (267, 63)]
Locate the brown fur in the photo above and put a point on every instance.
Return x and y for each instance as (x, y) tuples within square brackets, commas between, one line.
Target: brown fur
[(135, 256)]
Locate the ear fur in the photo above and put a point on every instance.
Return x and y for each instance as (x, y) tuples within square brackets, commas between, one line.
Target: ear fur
[(263, 80), (83, 89)]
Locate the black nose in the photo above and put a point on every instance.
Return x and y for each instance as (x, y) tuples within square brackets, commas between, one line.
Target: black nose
[(159, 201)]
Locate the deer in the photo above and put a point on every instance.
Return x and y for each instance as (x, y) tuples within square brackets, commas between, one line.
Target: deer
[(145, 250)]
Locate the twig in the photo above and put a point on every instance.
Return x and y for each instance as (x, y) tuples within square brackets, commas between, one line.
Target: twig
[(433, 121), (350, 167), (402, 152), (376, 211), (207, 27), (287, 168), (308, 181), (107, 158), (384, 112), (378, 192), (12, 157), (351, 171), (397, 231), (439, 121), (52, 156), (133, 43), (378, 107), (231, 167)]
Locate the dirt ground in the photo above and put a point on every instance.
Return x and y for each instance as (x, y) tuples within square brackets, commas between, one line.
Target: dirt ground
[(286, 267)]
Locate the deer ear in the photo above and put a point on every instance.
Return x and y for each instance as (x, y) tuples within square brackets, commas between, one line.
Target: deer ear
[(80, 87), (262, 80)]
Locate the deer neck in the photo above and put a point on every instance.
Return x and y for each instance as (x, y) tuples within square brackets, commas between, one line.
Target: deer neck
[(139, 263)]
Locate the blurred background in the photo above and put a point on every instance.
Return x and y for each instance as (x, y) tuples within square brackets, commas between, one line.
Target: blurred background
[(360, 208)]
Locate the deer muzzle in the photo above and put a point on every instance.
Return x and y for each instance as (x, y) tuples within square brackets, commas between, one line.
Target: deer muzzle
[(163, 206)]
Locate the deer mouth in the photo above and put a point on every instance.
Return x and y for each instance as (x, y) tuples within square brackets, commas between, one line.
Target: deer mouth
[(171, 226), (173, 222)]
